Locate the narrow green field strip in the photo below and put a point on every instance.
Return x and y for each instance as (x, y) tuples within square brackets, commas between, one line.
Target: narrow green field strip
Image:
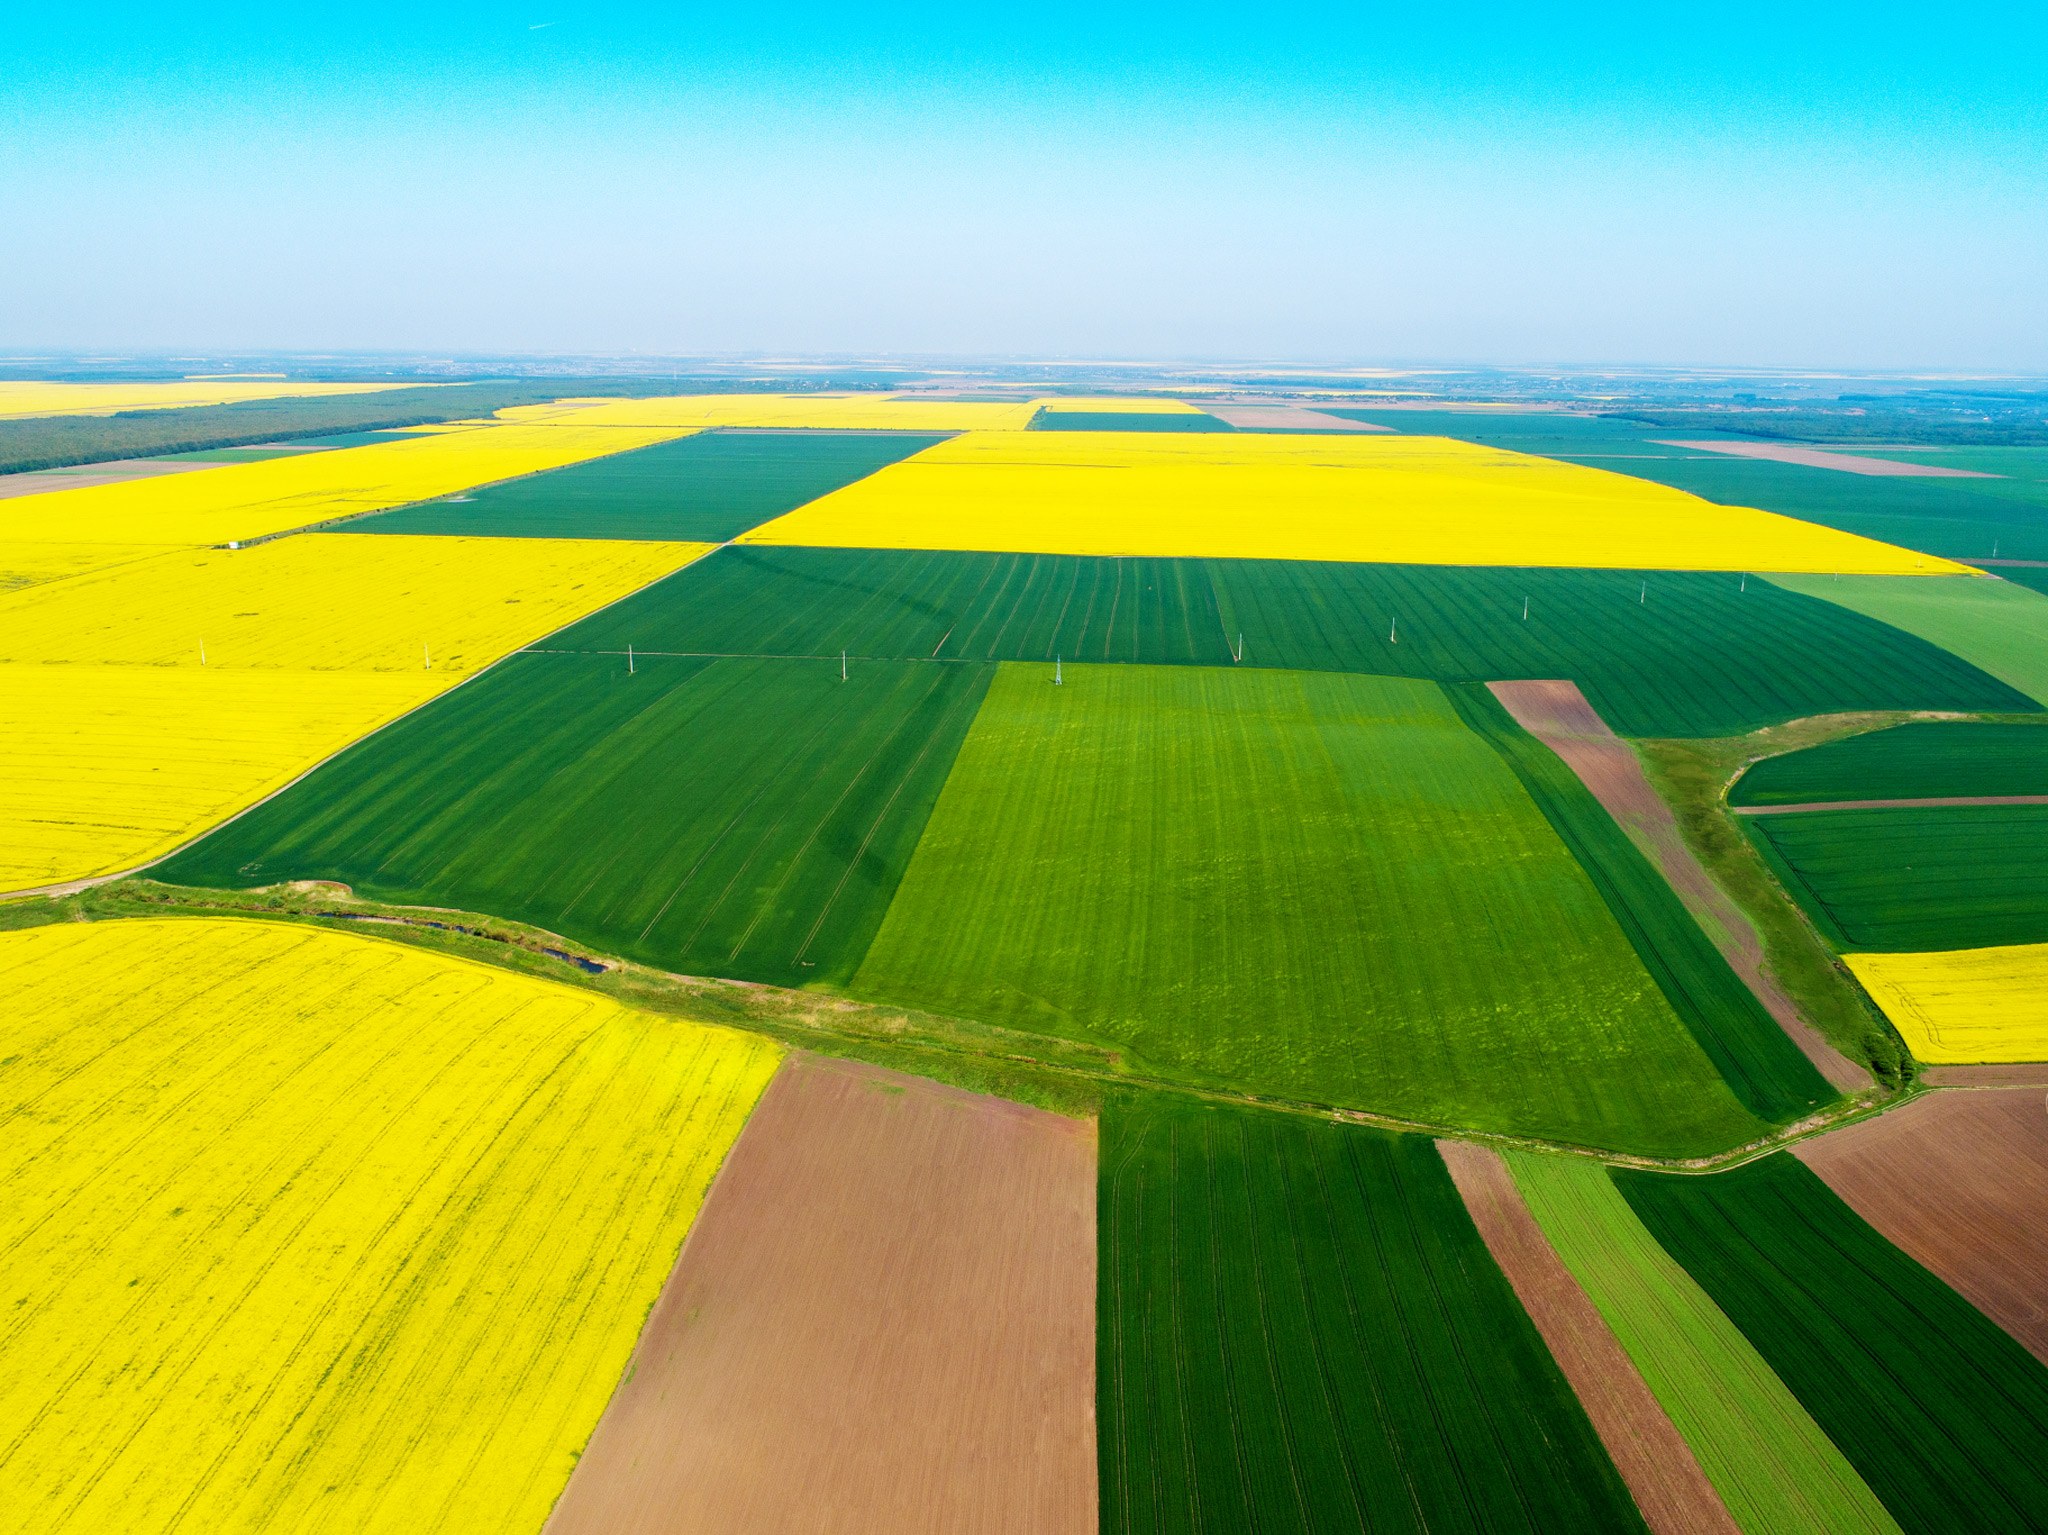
[(742, 818), (753, 600), (1126, 421), (1770, 1075), (1946, 759), (1910, 879), (1997, 625), (1303, 883), (1301, 1330), (704, 488), (1658, 653), (1945, 1416), (1773, 1467), (1662, 654)]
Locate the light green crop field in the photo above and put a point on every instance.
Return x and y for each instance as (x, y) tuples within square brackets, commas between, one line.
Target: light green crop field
[(1997, 626), (1771, 1464), (1310, 884)]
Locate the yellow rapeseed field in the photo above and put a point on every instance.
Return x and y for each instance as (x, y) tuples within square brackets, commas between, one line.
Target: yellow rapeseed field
[(1402, 500), (1123, 405), (241, 501), (105, 768), (32, 564), (122, 745), (52, 399), (860, 412), (1964, 1005), (327, 601), (314, 1232)]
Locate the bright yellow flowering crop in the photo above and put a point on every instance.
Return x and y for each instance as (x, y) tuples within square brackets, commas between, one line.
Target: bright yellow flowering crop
[(1122, 405), (1402, 500), (240, 501), (32, 564), (121, 745), (326, 601), (1964, 1004), (320, 1233), (860, 412), (40, 399)]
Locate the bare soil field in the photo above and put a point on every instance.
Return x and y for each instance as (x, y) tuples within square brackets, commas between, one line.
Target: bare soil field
[(1958, 1180), (1289, 418), (34, 482), (883, 1321), (1557, 714), (1825, 458), (1653, 1458)]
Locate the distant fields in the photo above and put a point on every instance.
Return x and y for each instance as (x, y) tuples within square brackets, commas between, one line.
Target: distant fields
[(1290, 882), (1934, 760), (1944, 877), (845, 413), (1996, 625), (1361, 497), (245, 501), (305, 1230), (1765, 1456), (739, 817), (1964, 1004), (41, 399), (1666, 654), (1300, 1329), (1945, 1416), (1128, 421), (1960, 519), (707, 487)]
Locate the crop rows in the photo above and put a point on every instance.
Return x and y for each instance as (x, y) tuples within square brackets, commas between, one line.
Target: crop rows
[(739, 817), (371, 1232), (1945, 1416), (1302, 1330)]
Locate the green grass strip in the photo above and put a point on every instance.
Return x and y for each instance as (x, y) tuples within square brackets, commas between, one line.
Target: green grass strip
[(1944, 1414), (1300, 1329), (1766, 1070), (1774, 1468), (1997, 626)]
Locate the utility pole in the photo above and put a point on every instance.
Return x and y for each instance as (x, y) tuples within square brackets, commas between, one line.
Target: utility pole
[(629, 658), (202, 652), (1525, 610), (842, 666), (1056, 672), (1393, 631)]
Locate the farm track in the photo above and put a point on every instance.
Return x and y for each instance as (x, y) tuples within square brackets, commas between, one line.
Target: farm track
[(1922, 803), (1558, 715), (1014, 1063)]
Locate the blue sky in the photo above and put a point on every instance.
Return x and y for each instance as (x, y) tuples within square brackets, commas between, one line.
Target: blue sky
[(1841, 186)]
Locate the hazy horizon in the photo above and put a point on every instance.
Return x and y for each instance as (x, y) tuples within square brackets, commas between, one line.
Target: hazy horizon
[(1849, 190)]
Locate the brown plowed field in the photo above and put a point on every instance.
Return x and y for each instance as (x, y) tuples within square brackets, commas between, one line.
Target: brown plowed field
[(1826, 458), (883, 1321), (1557, 714), (1959, 1180), (1669, 1487)]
